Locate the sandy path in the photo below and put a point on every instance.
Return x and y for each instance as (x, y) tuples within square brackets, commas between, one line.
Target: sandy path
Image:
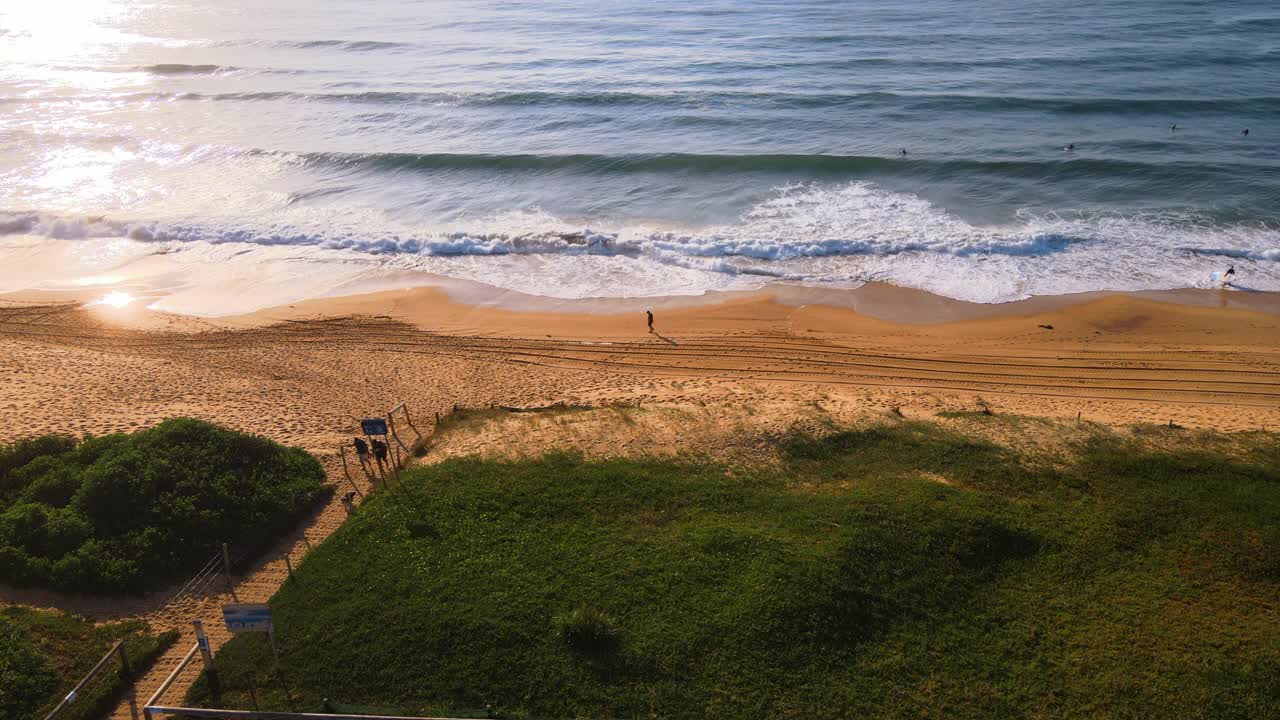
[(256, 585)]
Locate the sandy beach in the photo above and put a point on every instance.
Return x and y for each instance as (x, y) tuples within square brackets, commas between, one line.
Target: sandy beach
[(303, 374)]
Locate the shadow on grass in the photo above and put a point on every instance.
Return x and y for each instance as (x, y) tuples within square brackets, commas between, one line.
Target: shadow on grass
[(563, 587), (891, 451)]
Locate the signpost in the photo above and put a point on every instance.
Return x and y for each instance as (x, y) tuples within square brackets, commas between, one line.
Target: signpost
[(206, 653), (256, 617), (251, 617), (247, 617), (377, 426)]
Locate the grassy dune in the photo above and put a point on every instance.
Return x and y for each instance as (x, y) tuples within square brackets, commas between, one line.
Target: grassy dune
[(44, 654), (897, 571)]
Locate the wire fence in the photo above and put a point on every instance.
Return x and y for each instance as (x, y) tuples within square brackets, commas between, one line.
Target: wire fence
[(100, 682), (203, 580)]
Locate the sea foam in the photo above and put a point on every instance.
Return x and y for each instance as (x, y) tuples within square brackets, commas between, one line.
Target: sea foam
[(839, 235)]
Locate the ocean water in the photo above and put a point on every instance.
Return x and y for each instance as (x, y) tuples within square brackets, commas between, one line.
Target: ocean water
[(271, 150)]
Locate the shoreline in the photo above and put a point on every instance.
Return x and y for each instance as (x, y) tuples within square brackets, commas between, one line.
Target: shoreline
[(226, 283), (874, 300)]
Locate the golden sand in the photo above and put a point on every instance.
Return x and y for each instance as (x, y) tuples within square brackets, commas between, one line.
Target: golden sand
[(305, 374)]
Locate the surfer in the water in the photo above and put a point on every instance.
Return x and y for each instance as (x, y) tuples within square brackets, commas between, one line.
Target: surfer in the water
[(1173, 127), (904, 152), (1245, 132), (1070, 148)]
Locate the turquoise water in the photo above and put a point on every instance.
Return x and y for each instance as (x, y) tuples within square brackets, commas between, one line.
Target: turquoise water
[(584, 148)]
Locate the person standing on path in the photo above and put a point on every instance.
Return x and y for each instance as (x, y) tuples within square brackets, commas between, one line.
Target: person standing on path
[(362, 451), (650, 314)]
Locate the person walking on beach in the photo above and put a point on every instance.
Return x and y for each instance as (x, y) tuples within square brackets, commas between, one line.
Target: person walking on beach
[(650, 314), (362, 451), (380, 451)]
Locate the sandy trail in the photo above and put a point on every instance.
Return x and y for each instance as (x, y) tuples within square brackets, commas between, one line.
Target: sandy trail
[(305, 375)]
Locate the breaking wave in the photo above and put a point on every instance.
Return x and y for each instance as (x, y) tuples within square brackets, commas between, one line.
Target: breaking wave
[(800, 221), (808, 233), (183, 69)]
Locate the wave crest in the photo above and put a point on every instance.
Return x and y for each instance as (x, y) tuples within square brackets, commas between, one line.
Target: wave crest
[(806, 233), (723, 100), (799, 221), (183, 69)]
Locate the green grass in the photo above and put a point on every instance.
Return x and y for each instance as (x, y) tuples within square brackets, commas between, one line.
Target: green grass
[(126, 513), (44, 654), (900, 571)]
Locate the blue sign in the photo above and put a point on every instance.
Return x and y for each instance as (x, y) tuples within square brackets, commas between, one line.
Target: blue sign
[(247, 617), (374, 426)]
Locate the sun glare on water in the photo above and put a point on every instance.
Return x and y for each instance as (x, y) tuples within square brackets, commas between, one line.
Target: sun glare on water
[(115, 299), (48, 30)]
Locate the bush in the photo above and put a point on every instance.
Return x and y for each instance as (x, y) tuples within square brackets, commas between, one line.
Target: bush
[(43, 654), (120, 510), (14, 457), (26, 675), (51, 483)]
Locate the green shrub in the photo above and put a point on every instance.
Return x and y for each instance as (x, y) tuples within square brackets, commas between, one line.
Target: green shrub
[(57, 649), (26, 675), (51, 483), (117, 511), (14, 457)]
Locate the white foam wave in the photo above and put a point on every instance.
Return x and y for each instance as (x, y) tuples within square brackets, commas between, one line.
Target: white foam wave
[(837, 235), (799, 223)]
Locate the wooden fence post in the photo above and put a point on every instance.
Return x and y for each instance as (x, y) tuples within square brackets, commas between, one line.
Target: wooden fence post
[(226, 568), (124, 664)]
